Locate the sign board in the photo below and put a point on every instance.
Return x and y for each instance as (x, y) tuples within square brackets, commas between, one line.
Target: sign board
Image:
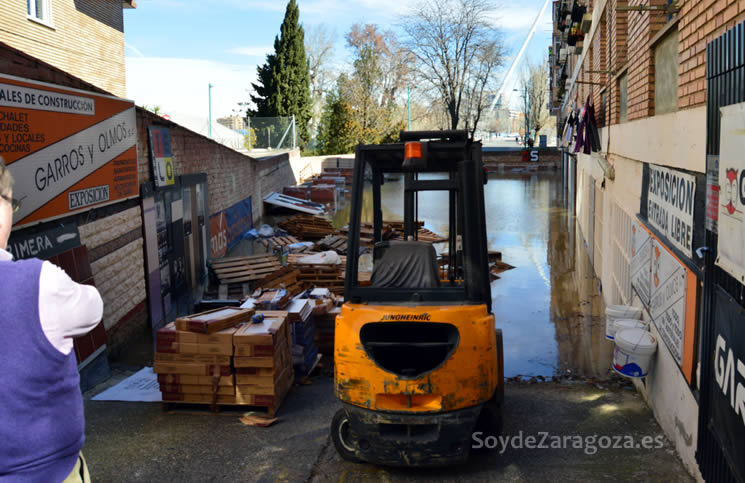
[(45, 244), (667, 305), (731, 244), (671, 196), (68, 150), (161, 156), (218, 235), (712, 192), (727, 397), (240, 220), (641, 262)]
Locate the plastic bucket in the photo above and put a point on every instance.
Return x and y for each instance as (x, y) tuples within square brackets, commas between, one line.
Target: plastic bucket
[(617, 312), (620, 324), (634, 350)]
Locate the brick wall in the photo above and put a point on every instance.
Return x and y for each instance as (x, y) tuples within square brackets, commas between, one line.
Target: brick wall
[(617, 28), (86, 40), (701, 22), (231, 176)]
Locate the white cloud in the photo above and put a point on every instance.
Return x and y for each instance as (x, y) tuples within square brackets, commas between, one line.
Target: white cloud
[(181, 85), (252, 51), (522, 18)]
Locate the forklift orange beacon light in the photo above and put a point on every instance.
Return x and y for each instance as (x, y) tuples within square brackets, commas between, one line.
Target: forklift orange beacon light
[(413, 150)]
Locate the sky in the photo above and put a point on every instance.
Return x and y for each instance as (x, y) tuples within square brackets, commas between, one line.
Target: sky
[(175, 48)]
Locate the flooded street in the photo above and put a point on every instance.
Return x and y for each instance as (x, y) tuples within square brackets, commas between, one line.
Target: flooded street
[(548, 306)]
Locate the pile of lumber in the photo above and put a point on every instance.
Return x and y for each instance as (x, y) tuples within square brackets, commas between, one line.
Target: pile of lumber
[(423, 235), (244, 364), (307, 227), (325, 330)]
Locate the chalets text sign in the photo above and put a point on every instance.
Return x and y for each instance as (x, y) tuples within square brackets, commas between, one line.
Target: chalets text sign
[(68, 150), (670, 201)]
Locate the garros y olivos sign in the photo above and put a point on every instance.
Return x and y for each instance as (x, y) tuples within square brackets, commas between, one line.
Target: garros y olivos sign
[(68, 150)]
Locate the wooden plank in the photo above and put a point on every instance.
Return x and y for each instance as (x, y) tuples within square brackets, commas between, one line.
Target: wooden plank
[(222, 291)]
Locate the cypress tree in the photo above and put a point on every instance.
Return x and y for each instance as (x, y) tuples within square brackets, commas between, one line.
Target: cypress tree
[(283, 87)]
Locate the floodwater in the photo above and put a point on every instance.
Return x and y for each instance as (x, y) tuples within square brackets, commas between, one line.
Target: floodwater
[(549, 306)]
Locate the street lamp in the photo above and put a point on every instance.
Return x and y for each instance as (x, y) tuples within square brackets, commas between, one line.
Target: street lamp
[(209, 90), (526, 109)]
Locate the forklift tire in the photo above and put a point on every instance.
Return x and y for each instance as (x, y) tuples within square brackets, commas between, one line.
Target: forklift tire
[(340, 434)]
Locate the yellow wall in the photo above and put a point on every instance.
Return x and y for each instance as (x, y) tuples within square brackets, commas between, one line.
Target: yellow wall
[(85, 39)]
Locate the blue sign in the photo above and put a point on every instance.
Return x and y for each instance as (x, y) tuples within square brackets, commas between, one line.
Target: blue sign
[(240, 220)]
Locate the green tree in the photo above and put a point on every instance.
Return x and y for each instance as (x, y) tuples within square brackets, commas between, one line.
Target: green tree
[(283, 81), (338, 131)]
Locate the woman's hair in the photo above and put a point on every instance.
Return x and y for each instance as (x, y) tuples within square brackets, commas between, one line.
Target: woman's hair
[(6, 179)]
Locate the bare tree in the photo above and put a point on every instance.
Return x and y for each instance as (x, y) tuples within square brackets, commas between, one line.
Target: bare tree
[(535, 95), (457, 50), (319, 49)]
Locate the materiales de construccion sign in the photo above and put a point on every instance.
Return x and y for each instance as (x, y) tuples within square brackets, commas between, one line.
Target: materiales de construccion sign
[(670, 205)]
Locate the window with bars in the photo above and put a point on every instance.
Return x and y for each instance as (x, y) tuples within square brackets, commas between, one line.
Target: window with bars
[(40, 10)]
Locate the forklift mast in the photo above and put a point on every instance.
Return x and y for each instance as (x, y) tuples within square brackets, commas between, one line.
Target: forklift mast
[(457, 159)]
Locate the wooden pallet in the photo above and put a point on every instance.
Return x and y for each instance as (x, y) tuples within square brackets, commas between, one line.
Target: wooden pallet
[(277, 242), (227, 409), (245, 269), (338, 243), (307, 227), (286, 277)]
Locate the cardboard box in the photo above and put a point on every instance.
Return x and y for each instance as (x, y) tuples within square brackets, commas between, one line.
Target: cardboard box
[(193, 368), (196, 389), (170, 333), (189, 348), (265, 387), (266, 333), (214, 320), (220, 360), (187, 379), (255, 350)]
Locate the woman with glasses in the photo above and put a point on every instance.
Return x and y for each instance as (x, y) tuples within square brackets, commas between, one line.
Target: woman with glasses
[(41, 408)]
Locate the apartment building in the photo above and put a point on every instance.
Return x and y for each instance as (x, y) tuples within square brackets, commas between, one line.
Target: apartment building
[(82, 37), (654, 88)]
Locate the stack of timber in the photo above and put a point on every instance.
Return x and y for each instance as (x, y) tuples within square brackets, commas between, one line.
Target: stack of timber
[(193, 356), (325, 329), (236, 275), (263, 362), (303, 329), (307, 227)]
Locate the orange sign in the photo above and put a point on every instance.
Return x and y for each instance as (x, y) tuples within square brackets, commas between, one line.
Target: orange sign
[(218, 235), (68, 150)]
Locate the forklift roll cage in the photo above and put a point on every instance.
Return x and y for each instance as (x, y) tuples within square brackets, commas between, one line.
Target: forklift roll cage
[(450, 152)]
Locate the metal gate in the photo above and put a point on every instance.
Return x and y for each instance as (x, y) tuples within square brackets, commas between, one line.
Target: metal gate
[(720, 434)]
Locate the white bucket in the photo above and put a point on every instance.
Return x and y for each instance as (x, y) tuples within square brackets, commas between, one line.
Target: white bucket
[(634, 350), (620, 324), (617, 312)]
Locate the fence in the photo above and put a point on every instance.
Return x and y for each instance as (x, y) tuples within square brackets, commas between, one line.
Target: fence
[(271, 133)]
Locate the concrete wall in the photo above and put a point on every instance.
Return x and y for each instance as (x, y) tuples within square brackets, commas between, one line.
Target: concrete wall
[(85, 39)]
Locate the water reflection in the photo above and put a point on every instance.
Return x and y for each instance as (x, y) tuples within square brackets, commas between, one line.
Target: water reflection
[(548, 307)]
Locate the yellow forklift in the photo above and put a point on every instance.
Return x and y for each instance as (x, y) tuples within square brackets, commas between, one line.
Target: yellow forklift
[(418, 361)]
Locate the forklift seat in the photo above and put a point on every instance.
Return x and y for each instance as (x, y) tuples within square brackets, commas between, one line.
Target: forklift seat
[(405, 264)]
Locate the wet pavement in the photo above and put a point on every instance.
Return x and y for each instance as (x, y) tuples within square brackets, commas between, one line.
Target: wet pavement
[(549, 308)]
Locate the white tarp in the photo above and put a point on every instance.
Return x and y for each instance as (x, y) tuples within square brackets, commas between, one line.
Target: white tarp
[(141, 386), (731, 245)]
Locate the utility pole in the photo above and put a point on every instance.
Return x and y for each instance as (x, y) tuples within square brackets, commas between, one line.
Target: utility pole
[(209, 90), (408, 101)]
